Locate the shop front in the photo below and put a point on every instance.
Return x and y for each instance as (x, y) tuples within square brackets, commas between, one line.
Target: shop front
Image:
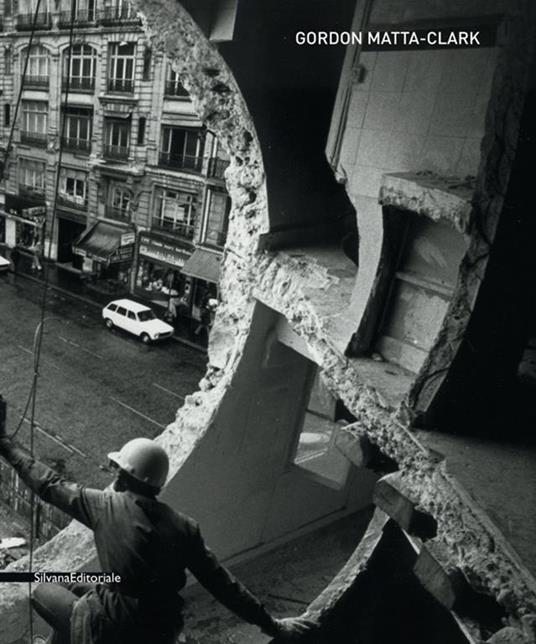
[(22, 225), (159, 276), (106, 250), (203, 269)]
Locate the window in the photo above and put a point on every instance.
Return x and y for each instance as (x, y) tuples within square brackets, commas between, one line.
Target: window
[(218, 207), (32, 175), (34, 122), (182, 148), (117, 138), (37, 69), (117, 11), (77, 129), (316, 452), (82, 69), (120, 203), (73, 187), (26, 14), (147, 57), (141, 130), (175, 211), (121, 310), (7, 115), (121, 67), (112, 307), (77, 11), (7, 61), (174, 86), (131, 315)]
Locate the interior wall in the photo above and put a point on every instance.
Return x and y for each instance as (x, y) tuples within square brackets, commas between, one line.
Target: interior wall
[(249, 447), (407, 111)]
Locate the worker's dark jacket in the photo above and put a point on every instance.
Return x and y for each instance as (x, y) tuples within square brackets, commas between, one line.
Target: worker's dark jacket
[(149, 545)]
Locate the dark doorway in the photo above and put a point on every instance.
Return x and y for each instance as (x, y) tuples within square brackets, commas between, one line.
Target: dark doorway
[(68, 231)]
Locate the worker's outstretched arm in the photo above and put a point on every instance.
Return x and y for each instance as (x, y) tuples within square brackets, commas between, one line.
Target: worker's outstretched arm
[(228, 590), (81, 504)]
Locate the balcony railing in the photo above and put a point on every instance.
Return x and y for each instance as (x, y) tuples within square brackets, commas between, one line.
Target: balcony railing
[(122, 14), (26, 20), (35, 192), (121, 85), (77, 145), (115, 152), (175, 227), (174, 88), (217, 167), (36, 81), (79, 83), (71, 202), (181, 161), (67, 18), (37, 139), (119, 214)]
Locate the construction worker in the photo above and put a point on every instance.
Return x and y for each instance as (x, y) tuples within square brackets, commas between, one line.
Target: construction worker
[(146, 543)]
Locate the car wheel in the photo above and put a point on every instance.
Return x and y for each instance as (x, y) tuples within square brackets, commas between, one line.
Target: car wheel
[(109, 323), (144, 337)]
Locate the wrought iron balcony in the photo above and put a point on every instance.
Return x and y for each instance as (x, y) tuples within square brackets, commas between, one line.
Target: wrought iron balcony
[(121, 14), (69, 201), (76, 145), (115, 152), (37, 139), (121, 85), (25, 21), (67, 18), (181, 161), (175, 227), (217, 167), (79, 83), (118, 214), (36, 81), (174, 88)]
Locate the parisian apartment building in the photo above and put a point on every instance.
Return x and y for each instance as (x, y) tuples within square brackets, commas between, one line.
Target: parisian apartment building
[(139, 205)]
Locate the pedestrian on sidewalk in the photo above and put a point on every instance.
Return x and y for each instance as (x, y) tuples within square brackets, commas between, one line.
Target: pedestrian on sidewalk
[(146, 543), (15, 258)]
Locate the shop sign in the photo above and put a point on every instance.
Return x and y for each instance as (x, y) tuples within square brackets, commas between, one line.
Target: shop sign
[(163, 251), (128, 238)]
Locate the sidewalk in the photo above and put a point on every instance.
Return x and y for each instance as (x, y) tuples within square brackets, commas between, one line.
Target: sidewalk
[(66, 280)]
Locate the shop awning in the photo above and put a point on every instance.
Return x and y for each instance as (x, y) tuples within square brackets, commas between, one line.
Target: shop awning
[(203, 264), (104, 242)]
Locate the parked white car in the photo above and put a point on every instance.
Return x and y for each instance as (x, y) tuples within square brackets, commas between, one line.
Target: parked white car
[(4, 264), (137, 319)]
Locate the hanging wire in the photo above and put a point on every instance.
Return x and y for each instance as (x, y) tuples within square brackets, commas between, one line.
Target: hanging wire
[(38, 338), (38, 335)]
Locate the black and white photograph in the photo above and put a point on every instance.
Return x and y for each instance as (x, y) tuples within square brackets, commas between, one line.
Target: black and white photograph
[(267, 322)]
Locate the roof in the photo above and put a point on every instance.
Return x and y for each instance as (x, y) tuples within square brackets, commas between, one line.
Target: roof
[(131, 304)]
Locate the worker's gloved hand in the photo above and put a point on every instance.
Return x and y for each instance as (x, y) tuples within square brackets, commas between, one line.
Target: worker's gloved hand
[(290, 629)]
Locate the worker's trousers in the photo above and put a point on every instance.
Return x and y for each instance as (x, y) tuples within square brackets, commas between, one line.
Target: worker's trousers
[(55, 603)]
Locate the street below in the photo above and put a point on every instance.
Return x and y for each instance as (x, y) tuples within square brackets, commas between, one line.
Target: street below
[(96, 388)]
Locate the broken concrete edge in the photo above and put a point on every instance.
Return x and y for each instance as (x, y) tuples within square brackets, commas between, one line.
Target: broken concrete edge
[(322, 606), (428, 195), (503, 117)]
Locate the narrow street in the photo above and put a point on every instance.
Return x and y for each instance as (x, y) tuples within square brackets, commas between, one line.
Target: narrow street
[(96, 390)]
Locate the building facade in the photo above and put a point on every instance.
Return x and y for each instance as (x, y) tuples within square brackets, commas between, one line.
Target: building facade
[(140, 204)]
